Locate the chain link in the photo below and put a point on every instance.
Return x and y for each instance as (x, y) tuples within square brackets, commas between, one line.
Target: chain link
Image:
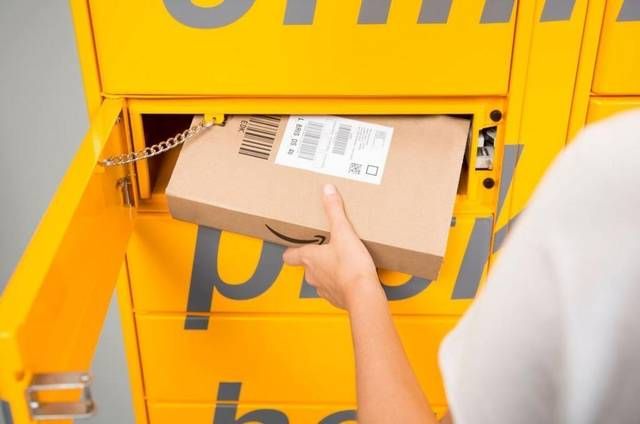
[(158, 148)]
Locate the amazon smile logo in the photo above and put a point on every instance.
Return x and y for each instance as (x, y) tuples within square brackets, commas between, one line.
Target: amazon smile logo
[(317, 239)]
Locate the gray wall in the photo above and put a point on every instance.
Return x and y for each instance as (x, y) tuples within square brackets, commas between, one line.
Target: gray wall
[(42, 121)]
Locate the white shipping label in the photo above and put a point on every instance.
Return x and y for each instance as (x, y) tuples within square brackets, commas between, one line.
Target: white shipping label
[(336, 146)]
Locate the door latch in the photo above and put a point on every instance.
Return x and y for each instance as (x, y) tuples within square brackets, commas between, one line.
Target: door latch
[(126, 189), (70, 382)]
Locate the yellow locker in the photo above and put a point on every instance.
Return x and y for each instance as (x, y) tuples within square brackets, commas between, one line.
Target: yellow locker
[(607, 80), (165, 413), (217, 350), (616, 71), (601, 108), (303, 48), (546, 59), (179, 268), (301, 359)]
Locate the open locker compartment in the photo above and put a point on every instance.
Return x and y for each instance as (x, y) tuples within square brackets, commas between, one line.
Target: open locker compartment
[(155, 120)]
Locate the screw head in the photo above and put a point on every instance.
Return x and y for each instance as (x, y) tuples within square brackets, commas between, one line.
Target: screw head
[(495, 115), (488, 183)]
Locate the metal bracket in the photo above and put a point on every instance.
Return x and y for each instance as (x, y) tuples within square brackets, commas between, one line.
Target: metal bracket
[(126, 189), (60, 382), (216, 118)]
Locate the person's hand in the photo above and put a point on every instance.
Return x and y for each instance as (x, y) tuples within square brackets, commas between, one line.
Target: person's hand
[(342, 270)]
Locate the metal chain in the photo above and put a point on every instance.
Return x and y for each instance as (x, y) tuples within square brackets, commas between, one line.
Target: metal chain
[(157, 148)]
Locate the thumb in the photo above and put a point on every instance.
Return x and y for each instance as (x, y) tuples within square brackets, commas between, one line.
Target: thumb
[(334, 208)]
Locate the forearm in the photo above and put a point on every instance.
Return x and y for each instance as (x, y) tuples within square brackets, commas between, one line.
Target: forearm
[(344, 274), (387, 388)]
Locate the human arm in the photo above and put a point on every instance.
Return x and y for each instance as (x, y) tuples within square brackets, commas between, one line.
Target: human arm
[(387, 388), (344, 274)]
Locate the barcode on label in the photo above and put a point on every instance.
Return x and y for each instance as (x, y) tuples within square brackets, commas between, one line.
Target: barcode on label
[(310, 140), (259, 135), (341, 140)]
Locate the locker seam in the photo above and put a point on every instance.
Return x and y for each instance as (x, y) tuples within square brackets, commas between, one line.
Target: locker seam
[(140, 369)]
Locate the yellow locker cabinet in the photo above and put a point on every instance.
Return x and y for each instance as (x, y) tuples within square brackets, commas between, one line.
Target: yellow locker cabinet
[(618, 59), (216, 328)]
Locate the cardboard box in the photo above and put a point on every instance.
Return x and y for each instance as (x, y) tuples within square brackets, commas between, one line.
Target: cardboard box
[(263, 176)]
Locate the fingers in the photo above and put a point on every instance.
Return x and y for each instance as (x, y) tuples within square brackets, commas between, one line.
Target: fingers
[(334, 208)]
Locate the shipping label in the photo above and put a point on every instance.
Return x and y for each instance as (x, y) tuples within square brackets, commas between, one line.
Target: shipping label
[(341, 147)]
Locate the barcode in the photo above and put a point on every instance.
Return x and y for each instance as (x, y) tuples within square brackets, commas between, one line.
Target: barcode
[(310, 140), (259, 136), (341, 140)]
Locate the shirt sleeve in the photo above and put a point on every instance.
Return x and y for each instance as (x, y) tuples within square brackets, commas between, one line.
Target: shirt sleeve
[(543, 341), (498, 362)]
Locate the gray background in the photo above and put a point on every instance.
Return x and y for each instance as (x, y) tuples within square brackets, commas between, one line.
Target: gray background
[(42, 121)]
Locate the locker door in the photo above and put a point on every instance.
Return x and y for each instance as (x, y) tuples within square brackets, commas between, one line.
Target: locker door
[(53, 306)]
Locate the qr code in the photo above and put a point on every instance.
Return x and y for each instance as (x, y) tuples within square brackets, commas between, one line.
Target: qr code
[(355, 168)]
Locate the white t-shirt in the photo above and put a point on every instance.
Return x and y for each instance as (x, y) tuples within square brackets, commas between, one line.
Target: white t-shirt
[(555, 335)]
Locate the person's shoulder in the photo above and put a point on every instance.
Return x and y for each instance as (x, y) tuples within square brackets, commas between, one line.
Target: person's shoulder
[(603, 148), (610, 133), (598, 169)]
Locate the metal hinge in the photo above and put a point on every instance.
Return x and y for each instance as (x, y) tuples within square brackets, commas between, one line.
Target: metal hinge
[(60, 382), (126, 189)]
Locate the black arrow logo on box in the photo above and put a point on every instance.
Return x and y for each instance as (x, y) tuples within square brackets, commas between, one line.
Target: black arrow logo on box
[(317, 239)]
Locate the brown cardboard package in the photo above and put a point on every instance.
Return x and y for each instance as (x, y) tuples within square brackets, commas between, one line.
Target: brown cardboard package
[(263, 176)]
